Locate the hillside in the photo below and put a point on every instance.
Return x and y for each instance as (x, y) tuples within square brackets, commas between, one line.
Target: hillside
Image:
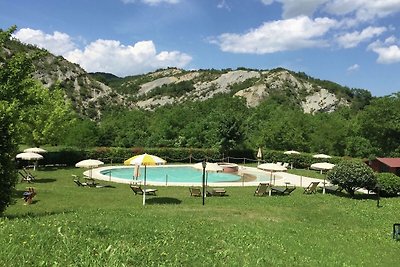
[(174, 86), (93, 93)]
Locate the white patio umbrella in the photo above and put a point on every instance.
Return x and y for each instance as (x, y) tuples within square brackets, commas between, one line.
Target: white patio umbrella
[(322, 166), (144, 159), (272, 167), (35, 150), (213, 167), (30, 156), (321, 156), (89, 164), (209, 166), (291, 152)]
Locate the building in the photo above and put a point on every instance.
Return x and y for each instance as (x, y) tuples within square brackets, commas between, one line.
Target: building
[(386, 165)]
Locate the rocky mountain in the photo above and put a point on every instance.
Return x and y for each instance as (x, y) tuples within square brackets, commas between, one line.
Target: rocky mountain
[(93, 93)]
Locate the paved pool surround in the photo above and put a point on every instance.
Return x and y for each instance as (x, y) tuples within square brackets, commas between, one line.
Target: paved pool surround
[(278, 178)]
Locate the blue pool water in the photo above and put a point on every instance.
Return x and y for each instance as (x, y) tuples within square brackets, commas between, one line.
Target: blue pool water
[(183, 174)]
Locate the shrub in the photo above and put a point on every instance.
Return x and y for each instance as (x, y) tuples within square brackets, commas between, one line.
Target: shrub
[(389, 184), (351, 175)]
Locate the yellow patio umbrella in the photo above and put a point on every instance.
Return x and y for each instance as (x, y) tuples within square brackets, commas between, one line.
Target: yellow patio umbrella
[(144, 159)]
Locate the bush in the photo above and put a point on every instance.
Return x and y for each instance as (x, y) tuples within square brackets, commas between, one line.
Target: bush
[(389, 184), (351, 175)]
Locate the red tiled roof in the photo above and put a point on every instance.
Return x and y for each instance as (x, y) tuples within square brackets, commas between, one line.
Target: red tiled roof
[(391, 162)]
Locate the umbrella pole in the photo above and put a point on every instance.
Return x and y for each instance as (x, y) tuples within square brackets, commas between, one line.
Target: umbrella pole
[(323, 191), (144, 187), (270, 184)]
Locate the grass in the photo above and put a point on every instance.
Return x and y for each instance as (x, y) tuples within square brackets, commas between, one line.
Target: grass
[(307, 173), (74, 226)]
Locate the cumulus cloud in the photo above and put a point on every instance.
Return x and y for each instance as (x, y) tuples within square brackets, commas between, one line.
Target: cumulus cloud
[(353, 11), (152, 2), (388, 53), (294, 8), (354, 67), (363, 10), (114, 57), (58, 43), (106, 55), (281, 35), (352, 39)]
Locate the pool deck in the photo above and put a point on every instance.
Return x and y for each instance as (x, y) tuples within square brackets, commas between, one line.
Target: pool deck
[(277, 178)]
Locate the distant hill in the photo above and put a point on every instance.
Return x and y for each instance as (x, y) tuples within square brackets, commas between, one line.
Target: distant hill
[(93, 93)]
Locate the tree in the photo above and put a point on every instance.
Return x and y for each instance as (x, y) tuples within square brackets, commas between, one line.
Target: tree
[(380, 124), (388, 184), (82, 133), (14, 81), (46, 120), (21, 100), (351, 175)]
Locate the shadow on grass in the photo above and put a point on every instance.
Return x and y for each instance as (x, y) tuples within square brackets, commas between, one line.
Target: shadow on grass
[(357, 196), (44, 180), (163, 200), (34, 215)]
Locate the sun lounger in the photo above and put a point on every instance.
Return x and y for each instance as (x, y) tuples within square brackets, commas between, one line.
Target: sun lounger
[(333, 188), (29, 194), (195, 192), (28, 174), (285, 165), (79, 183), (25, 178), (139, 191), (217, 192), (283, 190), (262, 189), (311, 188)]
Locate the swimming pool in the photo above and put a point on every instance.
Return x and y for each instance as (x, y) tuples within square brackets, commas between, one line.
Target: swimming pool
[(173, 174)]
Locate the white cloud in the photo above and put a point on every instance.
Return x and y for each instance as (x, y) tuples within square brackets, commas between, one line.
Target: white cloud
[(267, 2), (152, 2), (354, 67), (352, 39), (364, 10), (390, 40), (352, 11), (294, 8), (223, 4), (58, 43), (281, 35), (386, 54), (111, 56), (106, 55)]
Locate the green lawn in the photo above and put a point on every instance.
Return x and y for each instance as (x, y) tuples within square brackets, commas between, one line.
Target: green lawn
[(73, 226)]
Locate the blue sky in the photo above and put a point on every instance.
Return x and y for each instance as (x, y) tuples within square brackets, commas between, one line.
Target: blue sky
[(355, 43)]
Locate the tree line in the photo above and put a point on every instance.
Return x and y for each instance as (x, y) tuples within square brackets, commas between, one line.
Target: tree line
[(226, 123)]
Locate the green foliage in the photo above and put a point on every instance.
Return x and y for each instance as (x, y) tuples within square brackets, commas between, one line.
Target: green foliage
[(47, 118), (172, 89), (388, 184), (81, 133), (357, 146), (69, 156), (351, 175), (379, 123), (14, 83)]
